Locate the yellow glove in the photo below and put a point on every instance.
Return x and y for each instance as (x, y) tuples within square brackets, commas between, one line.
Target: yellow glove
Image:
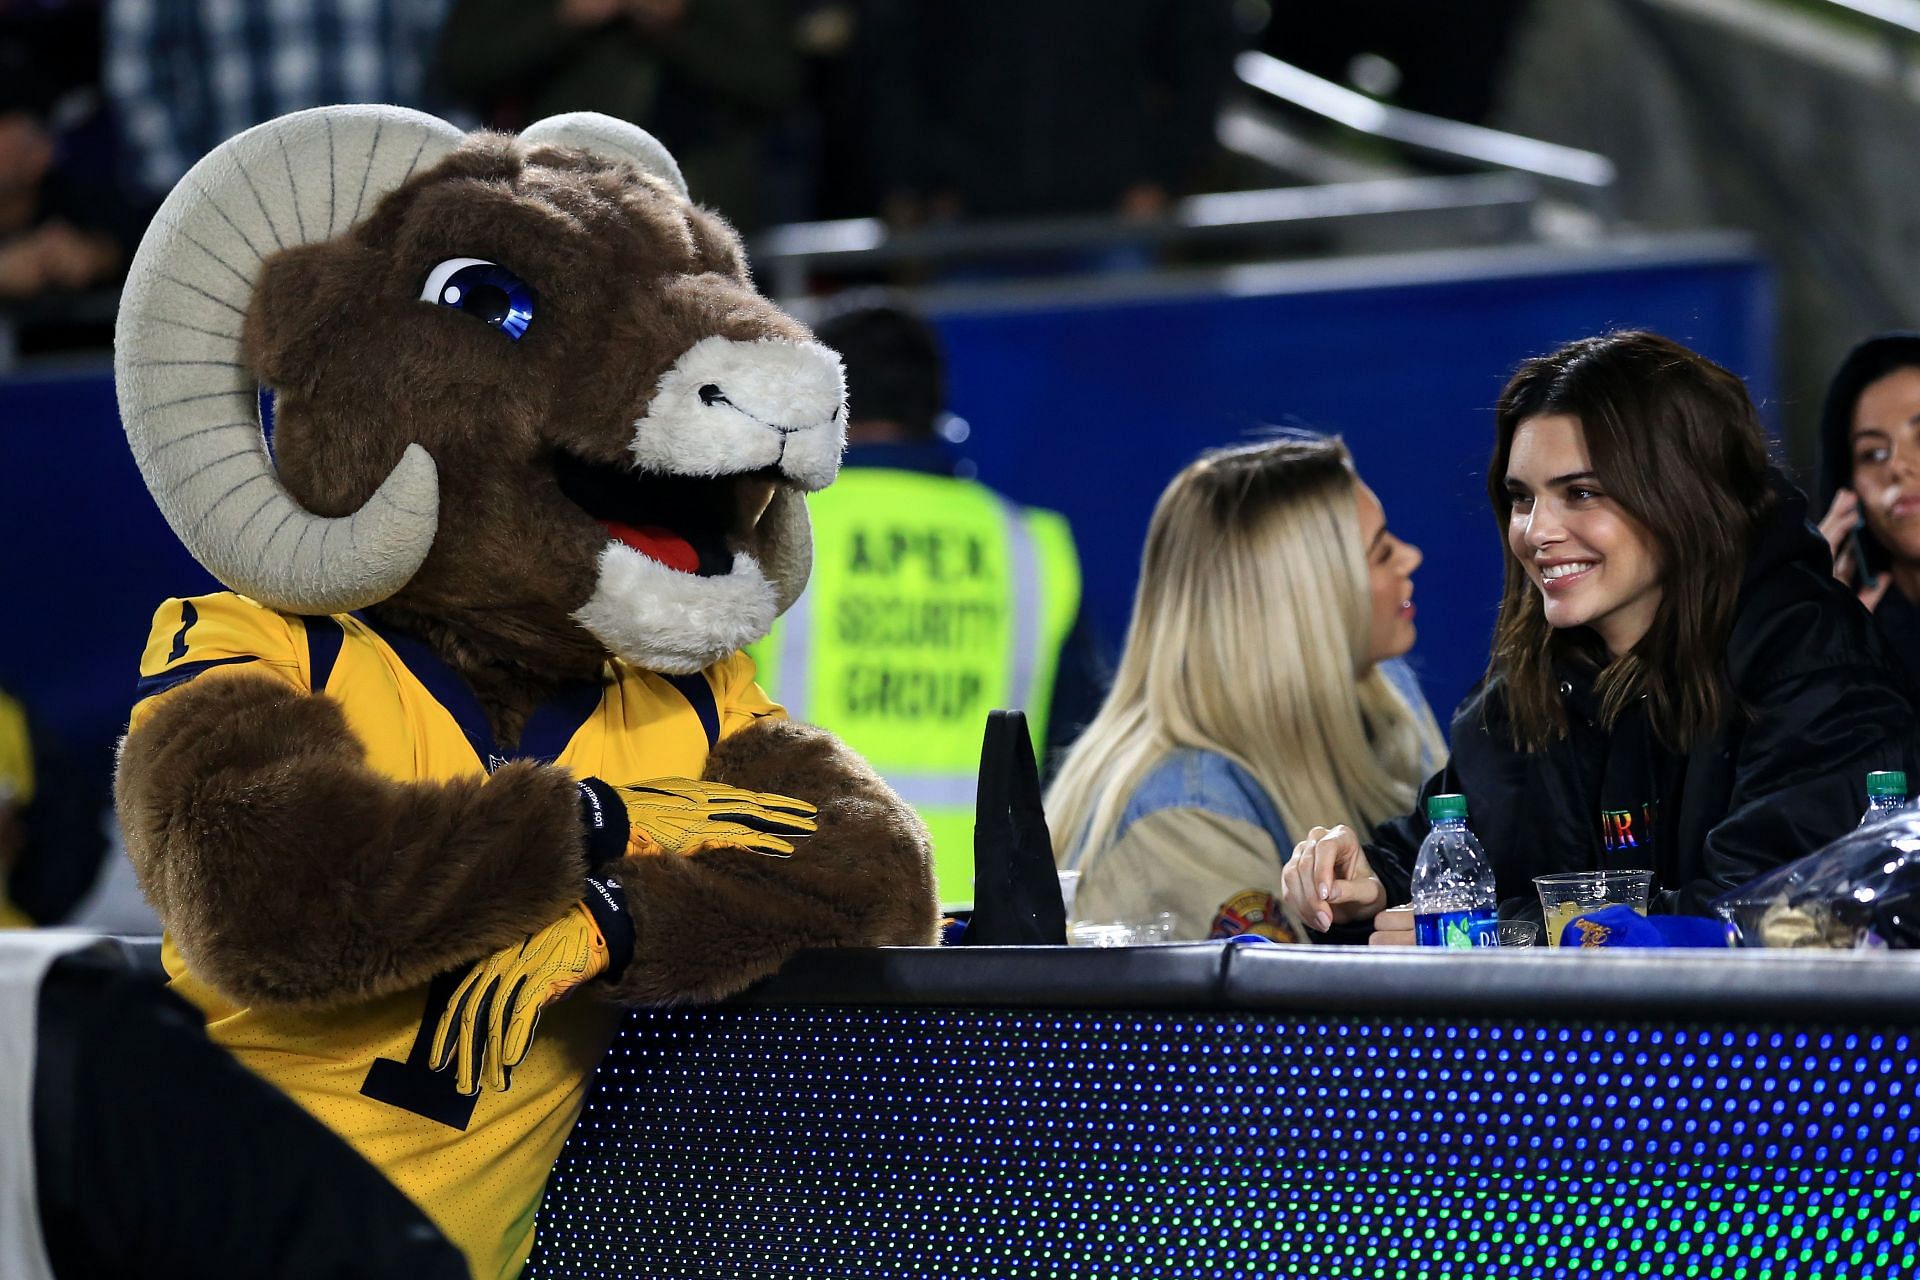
[(680, 815), (488, 1024)]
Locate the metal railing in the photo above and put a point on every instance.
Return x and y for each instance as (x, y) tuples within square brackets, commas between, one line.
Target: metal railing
[(1474, 206), (1899, 16), (1499, 202), (1434, 135)]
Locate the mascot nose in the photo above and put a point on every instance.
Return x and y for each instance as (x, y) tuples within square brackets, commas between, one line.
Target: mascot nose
[(784, 386), (712, 394), (731, 404)]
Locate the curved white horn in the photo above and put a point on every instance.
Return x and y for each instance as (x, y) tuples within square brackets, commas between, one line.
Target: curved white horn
[(605, 136), (189, 403)]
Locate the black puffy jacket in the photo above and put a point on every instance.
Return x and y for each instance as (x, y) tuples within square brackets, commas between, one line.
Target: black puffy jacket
[(1824, 704)]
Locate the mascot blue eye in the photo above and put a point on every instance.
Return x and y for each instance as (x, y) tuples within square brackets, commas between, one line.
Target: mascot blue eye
[(484, 290)]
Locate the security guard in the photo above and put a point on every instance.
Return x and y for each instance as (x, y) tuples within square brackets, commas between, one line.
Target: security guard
[(933, 601)]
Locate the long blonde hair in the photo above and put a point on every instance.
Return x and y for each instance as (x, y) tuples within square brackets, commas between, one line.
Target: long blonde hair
[(1249, 625)]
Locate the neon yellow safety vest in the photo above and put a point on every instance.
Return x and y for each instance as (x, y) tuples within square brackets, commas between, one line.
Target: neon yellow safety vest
[(933, 601)]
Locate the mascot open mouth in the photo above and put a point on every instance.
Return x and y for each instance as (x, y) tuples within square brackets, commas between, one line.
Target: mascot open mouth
[(693, 524)]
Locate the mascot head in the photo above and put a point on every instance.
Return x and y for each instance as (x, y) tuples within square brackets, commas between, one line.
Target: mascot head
[(519, 385)]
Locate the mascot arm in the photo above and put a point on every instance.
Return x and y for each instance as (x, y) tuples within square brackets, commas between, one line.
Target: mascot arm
[(710, 924), (288, 872)]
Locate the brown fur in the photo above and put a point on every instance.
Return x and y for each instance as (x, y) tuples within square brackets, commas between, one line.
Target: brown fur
[(709, 925), (290, 873)]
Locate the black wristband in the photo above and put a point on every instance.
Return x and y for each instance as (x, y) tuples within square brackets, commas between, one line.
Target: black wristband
[(606, 902), (603, 817)]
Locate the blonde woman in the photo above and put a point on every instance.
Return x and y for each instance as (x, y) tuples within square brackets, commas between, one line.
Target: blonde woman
[(1260, 686)]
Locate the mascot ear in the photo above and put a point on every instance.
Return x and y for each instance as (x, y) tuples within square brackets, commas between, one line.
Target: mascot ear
[(610, 139), (277, 340)]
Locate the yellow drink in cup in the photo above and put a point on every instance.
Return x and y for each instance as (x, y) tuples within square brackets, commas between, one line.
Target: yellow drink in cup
[(1574, 893), (1560, 914)]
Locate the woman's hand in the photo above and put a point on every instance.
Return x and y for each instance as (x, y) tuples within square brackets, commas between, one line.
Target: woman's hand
[(1329, 880), (1392, 928), (1839, 522)]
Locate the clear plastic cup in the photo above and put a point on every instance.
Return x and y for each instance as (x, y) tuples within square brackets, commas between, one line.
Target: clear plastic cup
[(1120, 933), (1519, 933), (1069, 888), (1572, 893)]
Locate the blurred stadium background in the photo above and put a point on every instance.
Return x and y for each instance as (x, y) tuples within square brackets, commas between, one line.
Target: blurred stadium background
[(1143, 227)]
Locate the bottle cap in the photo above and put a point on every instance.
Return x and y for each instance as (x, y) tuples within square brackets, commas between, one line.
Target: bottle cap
[(1442, 808), (1887, 782)]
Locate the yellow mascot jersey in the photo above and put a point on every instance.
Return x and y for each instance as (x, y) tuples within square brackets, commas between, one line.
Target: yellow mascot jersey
[(477, 1166)]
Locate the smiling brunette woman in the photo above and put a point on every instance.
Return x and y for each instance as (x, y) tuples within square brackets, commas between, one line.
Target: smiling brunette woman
[(1677, 682)]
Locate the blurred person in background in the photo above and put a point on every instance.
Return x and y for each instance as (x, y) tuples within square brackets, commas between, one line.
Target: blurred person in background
[(709, 78), (65, 221), (1261, 685), (933, 600), (1677, 683), (16, 792), (46, 245), (1869, 481), (185, 75), (833, 132), (55, 815), (1042, 107)]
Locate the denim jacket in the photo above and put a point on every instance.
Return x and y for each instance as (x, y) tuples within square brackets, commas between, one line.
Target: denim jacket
[(1198, 834)]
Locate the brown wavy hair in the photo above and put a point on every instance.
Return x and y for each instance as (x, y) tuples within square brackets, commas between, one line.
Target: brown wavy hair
[(1673, 439)]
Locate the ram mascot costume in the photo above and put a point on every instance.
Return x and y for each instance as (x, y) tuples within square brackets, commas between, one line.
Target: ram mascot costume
[(471, 727)]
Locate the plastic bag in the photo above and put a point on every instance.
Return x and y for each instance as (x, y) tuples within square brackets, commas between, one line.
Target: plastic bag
[(1862, 892)]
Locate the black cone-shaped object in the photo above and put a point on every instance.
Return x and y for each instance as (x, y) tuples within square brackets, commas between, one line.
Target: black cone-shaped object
[(1016, 893)]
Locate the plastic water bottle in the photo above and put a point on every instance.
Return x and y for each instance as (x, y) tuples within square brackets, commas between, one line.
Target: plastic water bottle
[(1453, 894), (1886, 791)]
